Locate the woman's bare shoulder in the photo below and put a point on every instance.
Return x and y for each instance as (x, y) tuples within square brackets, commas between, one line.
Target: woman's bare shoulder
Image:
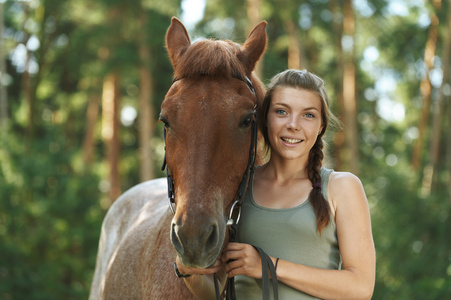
[(345, 187), (344, 179)]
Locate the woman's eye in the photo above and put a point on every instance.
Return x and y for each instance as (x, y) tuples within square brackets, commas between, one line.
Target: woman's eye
[(281, 112), (309, 115)]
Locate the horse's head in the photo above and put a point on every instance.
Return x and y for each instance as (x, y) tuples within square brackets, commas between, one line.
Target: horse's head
[(207, 114)]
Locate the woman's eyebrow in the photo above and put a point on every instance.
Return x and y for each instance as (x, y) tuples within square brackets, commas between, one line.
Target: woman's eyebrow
[(311, 108), (281, 104), (288, 106)]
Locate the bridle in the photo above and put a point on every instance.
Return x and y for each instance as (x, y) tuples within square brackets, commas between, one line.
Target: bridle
[(245, 179), (232, 222)]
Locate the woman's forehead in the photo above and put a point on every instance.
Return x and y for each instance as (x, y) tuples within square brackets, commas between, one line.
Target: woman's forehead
[(291, 96)]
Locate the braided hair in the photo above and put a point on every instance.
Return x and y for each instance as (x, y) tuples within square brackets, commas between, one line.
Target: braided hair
[(310, 82)]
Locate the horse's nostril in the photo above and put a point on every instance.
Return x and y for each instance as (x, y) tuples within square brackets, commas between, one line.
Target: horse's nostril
[(212, 238), (176, 239)]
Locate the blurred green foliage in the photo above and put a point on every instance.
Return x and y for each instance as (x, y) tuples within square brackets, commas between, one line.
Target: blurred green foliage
[(411, 236), (50, 217)]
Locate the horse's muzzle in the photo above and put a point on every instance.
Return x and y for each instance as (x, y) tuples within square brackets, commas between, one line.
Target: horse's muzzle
[(198, 243)]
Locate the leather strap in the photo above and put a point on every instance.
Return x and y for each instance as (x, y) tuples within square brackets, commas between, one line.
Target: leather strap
[(267, 270), (215, 279), (269, 276)]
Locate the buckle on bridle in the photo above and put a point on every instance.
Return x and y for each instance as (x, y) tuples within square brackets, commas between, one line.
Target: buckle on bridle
[(230, 220)]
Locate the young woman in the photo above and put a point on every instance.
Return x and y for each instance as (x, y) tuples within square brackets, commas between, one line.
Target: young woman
[(313, 222)]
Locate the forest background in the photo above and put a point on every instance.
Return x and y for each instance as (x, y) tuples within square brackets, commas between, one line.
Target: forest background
[(81, 83)]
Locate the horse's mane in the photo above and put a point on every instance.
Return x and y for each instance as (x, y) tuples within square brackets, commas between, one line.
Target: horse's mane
[(212, 58)]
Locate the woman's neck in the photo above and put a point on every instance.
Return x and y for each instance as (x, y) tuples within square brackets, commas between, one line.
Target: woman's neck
[(282, 170)]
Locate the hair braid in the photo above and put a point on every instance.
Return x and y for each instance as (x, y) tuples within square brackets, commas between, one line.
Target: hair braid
[(319, 203)]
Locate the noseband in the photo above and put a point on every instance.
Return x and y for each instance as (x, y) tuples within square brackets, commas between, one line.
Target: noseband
[(244, 181)]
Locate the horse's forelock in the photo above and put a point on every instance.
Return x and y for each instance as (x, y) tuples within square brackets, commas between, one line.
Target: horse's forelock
[(212, 58)]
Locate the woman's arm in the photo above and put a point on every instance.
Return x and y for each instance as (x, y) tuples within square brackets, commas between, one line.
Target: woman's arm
[(201, 283), (352, 217)]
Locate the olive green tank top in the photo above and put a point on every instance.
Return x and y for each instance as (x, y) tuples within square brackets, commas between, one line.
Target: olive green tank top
[(290, 234)]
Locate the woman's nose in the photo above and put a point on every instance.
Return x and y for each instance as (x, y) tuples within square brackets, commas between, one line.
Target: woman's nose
[(294, 123)]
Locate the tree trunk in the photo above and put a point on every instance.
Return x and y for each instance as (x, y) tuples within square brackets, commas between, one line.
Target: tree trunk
[(294, 46), (349, 95), (31, 82), (3, 90), (110, 131), (92, 115), (27, 83), (448, 147), (146, 123), (253, 8), (448, 112), (438, 109), (29, 99), (337, 27), (425, 90)]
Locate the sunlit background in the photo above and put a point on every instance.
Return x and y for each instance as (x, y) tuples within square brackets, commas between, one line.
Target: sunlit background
[(81, 83)]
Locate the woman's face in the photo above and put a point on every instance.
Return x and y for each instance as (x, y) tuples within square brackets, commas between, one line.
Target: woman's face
[(294, 122)]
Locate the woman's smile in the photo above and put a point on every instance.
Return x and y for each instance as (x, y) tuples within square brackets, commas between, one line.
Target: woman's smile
[(291, 140)]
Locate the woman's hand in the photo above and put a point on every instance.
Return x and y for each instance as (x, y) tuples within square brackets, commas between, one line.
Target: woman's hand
[(242, 259)]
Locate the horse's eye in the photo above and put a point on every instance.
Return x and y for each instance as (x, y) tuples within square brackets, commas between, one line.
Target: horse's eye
[(246, 123), (164, 120)]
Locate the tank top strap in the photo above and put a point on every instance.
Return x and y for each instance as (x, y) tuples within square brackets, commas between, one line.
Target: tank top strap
[(325, 174)]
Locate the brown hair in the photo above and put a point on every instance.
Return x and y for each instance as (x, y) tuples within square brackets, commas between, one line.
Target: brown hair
[(310, 82)]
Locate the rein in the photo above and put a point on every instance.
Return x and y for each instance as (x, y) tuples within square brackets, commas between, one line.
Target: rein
[(232, 222)]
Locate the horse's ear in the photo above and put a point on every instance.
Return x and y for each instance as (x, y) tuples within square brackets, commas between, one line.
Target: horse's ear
[(177, 40), (254, 46)]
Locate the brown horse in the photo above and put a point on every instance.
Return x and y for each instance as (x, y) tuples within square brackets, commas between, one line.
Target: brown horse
[(207, 113)]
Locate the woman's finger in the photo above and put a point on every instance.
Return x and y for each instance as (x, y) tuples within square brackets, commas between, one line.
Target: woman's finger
[(231, 255), (233, 264), (233, 251), (235, 246)]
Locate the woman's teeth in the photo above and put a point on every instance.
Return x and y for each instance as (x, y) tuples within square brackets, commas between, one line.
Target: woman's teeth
[(291, 141)]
